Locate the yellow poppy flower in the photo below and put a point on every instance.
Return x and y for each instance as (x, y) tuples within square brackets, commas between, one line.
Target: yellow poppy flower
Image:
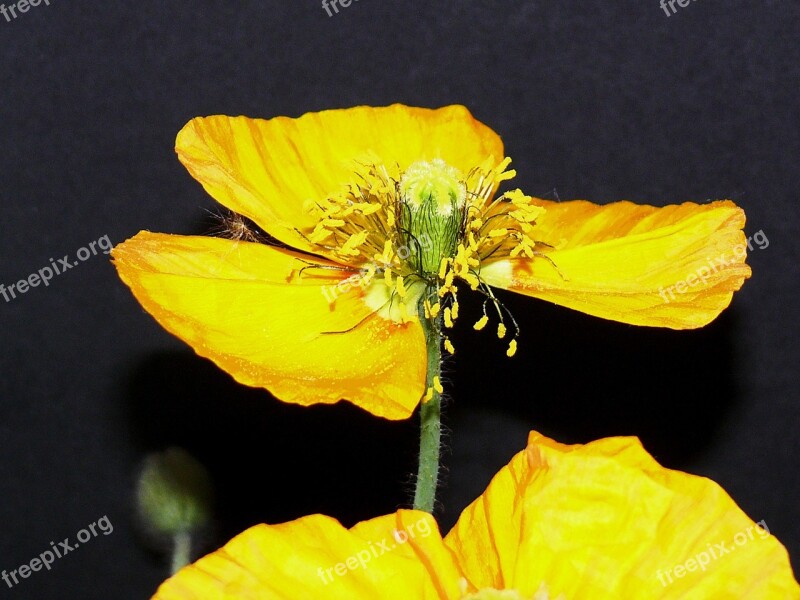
[(378, 214), (584, 522)]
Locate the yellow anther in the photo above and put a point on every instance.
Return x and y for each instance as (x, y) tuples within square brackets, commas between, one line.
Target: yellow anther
[(345, 212), (448, 319), (437, 384), (481, 323), (512, 348), (385, 257), (427, 308), (368, 208), (500, 171), (454, 310), (448, 280), (353, 242), (476, 224), (332, 222), (473, 262), (428, 395), (401, 289), (367, 275), (448, 345), (390, 218), (525, 212), (517, 197), (473, 243), (443, 267), (473, 281), (501, 331), (526, 239), (435, 309), (387, 278), (495, 233), (320, 234), (461, 265)]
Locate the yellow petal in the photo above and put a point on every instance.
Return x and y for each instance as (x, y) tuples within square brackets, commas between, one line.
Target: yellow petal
[(268, 170), (675, 266), (247, 308), (394, 557), (605, 521)]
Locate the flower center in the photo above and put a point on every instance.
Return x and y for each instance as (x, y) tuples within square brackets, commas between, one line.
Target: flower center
[(408, 236)]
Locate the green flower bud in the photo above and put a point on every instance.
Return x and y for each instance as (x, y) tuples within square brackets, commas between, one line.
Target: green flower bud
[(433, 196), (174, 494)]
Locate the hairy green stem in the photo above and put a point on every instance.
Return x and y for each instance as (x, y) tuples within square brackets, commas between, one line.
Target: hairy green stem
[(430, 422), (181, 550)]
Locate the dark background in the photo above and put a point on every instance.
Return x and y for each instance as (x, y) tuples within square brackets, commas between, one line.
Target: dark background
[(602, 101)]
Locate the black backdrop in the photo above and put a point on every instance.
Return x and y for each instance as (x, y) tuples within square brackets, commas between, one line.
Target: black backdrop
[(602, 101)]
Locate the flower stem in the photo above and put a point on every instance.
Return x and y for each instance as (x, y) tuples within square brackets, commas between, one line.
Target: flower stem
[(181, 550), (430, 422)]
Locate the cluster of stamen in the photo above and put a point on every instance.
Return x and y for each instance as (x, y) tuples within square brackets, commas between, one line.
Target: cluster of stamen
[(413, 234)]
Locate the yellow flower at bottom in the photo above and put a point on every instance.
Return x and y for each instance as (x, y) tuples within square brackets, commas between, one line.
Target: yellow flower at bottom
[(585, 522)]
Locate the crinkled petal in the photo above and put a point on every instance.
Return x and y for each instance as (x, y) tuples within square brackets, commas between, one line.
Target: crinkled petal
[(269, 170), (675, 266), (605, 521), (247, 307), (394, 557)]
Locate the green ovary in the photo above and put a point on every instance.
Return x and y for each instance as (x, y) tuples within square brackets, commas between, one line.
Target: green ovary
[(433, 197)]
